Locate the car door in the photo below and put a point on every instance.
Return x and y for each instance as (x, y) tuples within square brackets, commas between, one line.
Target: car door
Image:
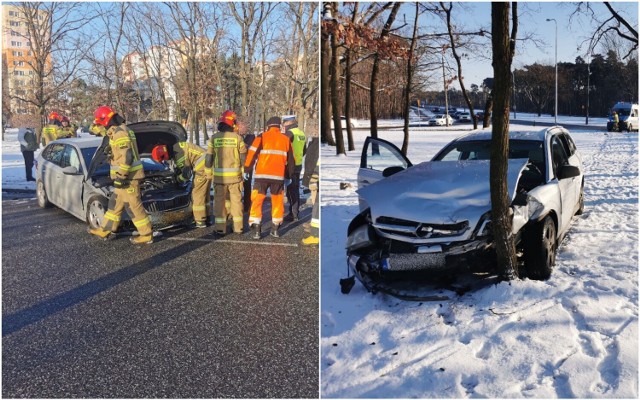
[(377, 156), (70, 193), (567, 186), (52, 172)]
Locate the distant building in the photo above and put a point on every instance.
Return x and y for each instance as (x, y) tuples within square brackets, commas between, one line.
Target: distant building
[(17, 54)]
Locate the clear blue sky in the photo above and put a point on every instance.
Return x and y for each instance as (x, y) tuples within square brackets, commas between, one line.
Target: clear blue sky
[(532, 21)]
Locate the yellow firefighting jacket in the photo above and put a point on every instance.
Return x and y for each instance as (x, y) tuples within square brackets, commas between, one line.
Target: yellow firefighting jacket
[(49, 133), (189, 156), (67, 132), (225, 156), (274, 155), (125, 163)]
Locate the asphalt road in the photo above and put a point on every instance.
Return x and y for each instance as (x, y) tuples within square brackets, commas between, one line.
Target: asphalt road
[(188, 316)]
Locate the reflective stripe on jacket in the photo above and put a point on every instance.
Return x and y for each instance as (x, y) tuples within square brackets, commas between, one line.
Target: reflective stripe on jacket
[(189, 155), (227, 151), (272, 154), (125, 163)]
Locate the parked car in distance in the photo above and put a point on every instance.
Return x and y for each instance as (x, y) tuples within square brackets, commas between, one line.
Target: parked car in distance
[(434, 218), (343, 122), (73, 174), (464, 116), (440, 120)]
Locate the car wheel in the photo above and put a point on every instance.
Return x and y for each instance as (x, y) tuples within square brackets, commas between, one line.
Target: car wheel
[(96, 209), (540, 249), (581, 201), (41, 195)]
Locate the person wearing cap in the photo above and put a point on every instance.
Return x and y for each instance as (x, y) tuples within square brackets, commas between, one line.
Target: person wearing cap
[(67, 130), (51, 131), (189, 159), (225, 158), (272, 155), (298, 140)]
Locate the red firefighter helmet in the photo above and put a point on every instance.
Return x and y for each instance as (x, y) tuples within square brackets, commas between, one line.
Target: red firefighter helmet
[(160, 153), (103, 115), (54, 116), (229, 117)]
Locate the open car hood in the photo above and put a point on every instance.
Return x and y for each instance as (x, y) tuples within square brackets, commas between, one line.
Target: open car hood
[(441, 192), (148, 135)]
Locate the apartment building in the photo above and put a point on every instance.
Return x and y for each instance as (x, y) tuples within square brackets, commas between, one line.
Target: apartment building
[(17, 54)]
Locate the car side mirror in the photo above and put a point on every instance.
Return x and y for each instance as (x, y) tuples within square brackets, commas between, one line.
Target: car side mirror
[(392, 170), (70, 170), (568, 171)]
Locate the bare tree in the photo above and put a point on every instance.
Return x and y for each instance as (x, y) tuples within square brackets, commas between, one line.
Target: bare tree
[(503, 45), (52, 28), (407, 89), (373, 98), (325, 110), (335, 102)]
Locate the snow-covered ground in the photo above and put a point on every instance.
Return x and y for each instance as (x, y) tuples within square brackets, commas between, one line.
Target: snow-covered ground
[(575, 335)]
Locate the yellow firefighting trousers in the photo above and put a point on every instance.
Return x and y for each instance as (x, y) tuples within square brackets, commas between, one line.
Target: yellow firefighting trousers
[(235, 206), (201, 197), (129, 199)]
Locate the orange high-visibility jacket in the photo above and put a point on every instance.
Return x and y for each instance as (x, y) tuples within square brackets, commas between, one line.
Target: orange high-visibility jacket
[(272, 155)]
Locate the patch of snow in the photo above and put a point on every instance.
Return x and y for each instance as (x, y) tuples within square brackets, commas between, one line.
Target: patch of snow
[(575, 335)]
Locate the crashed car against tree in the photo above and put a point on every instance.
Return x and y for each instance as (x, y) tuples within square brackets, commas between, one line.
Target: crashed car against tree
[(434, 218), (73, 174)]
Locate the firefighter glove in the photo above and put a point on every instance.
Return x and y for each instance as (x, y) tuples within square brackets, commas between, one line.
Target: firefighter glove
[(121, 183), (108, 152)]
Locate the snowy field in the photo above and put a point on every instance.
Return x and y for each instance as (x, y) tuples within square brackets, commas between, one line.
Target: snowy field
[(575, 335)]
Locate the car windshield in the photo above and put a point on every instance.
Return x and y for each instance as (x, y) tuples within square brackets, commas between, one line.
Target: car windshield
[(481, 150), (87, 154)]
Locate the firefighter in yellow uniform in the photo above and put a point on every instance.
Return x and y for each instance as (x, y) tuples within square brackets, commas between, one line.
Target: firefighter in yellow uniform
[(126, 172), (98, 130), (190, 158), (51, 131), (226, 154), (67, 130)]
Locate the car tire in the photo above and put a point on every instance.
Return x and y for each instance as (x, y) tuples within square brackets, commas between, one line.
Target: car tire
[(540, 249), (96, 208), (581, 201), (41, 195)]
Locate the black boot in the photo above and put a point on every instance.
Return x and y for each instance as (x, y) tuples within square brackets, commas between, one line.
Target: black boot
[(255, 228), (274, 230)]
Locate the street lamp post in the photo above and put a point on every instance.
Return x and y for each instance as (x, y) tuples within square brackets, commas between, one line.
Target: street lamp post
[(586, 122), (556, 108)]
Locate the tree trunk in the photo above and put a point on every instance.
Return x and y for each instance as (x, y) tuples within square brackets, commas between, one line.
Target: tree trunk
[(501, 213), (325, 113), (347, 87), (373, 98), (335, 101), (407, 88)]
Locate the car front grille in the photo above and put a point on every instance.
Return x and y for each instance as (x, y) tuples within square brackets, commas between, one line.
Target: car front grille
[(168, 204), (413, 229)]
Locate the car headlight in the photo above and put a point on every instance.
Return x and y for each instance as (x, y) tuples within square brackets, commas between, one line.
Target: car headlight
[(359, 238)]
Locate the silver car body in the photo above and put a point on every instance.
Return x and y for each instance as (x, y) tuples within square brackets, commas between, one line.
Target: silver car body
[(437, 205), (79, 183)]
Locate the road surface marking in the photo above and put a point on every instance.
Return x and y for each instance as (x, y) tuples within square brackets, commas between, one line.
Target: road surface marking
[(233, 241)]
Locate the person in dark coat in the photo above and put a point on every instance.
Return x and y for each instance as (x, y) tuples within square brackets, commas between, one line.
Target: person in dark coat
[(28, 145), (310, 162)]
